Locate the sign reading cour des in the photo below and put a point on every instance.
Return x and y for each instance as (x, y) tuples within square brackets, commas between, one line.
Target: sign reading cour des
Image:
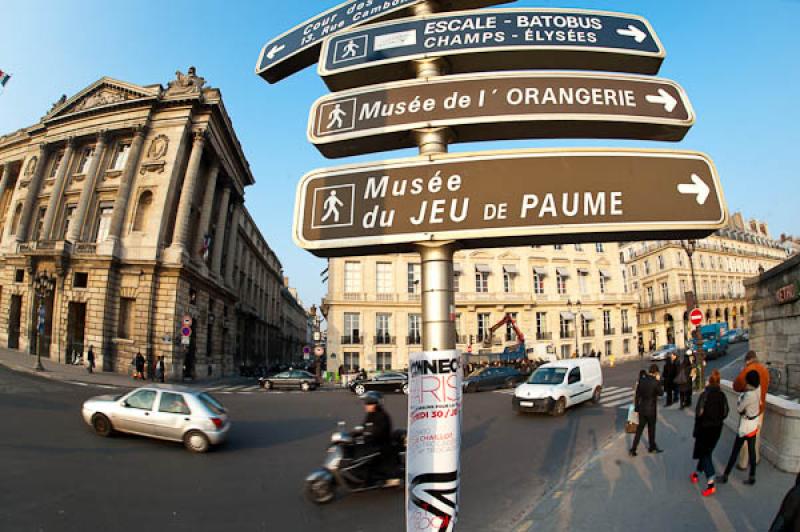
[(500, 106), (299, 47), (490, 40), (544, 196)]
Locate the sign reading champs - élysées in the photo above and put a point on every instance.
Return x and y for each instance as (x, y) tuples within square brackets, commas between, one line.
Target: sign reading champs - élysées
[(299, 47), (490, 40), (500, 106)]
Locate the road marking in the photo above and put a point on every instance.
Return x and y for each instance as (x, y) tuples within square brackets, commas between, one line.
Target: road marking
[(216, 388), (252, 388), (236, 388), (615, 394), (625, 401)]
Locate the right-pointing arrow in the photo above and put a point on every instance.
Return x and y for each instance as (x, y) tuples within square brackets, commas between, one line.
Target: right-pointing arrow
[(663, 98), (632, 31), (697, 187)]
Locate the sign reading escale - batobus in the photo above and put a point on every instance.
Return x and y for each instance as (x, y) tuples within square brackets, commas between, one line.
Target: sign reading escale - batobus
[(500, 105), (489, 40), (299, 47), (507, 198)]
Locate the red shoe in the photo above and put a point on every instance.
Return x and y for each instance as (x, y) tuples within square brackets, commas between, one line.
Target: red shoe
[(710, 490), (694, 478)]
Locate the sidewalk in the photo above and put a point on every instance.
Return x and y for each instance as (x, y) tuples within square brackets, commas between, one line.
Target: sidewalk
[(614, 491)]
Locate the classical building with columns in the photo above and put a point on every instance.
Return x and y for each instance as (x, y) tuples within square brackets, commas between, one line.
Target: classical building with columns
[(131, 200)]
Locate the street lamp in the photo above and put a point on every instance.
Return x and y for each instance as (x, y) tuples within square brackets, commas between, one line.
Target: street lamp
[(43, 284), (577, 331), (689, 246)]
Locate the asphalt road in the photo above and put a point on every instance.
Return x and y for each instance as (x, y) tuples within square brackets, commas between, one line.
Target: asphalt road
[(57, 475)]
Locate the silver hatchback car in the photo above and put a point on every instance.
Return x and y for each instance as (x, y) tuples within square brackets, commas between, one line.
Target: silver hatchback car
[(175, 413)]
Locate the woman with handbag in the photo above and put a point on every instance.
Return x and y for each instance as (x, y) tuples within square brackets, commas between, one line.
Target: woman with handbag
[(712, 409), (749, 407)]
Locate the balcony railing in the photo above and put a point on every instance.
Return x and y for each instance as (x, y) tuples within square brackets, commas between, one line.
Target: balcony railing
[(384, 340), (352, 340), (567, 334), (627, 330), (609, 331), (588, 333), (353, 296), (386, 297), (413, 339), (85, 248), (544, 335)]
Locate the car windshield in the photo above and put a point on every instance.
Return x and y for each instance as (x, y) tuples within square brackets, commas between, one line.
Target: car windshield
[(548, 376), (211, 403)]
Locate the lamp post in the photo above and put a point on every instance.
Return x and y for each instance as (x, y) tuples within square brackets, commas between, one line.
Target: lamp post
[(577, 331), (44, 284), (689, 246)]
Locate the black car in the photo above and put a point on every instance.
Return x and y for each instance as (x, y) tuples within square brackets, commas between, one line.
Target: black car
[(295, 379), (492, 378), (386, 382)]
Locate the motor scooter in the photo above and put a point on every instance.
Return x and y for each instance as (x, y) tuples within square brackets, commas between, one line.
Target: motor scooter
[(349, 466)]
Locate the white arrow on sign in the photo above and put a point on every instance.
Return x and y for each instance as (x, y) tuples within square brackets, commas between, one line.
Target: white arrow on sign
[(697, 187), (275, 50), (633, 31), (663, 98)]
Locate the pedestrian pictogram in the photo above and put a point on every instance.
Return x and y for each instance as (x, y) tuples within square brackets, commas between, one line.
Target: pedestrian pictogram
[(350, 49), (333, 206), (696, 317)]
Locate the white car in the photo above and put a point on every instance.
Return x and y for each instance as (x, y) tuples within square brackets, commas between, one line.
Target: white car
[(663, 352), (556, 386), (166, 412)]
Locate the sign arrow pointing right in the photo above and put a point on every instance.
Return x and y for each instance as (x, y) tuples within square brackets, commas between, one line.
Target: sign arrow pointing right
[(697, 187), (632, 31), (664, 98)]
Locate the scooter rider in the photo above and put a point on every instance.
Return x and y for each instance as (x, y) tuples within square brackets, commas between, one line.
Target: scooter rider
[(378, 434)]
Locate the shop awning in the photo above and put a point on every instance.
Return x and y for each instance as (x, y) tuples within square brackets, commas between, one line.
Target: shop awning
[(587, 315), (539, 270), (483, 268), (562, 272), (569, 316), (458, 269), (510, 268)]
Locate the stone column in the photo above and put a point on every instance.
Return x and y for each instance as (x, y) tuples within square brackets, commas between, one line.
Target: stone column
[(6, 179), (4, 182), (90, 181), (232, 238), (208, 206), (33, 192), (58, 190), (126, 181), (222, 219), (180, 237)]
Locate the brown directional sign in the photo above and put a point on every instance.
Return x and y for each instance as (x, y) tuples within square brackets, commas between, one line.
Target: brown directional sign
[(491, 40), (299, 47), (505, 198), (500, 106)]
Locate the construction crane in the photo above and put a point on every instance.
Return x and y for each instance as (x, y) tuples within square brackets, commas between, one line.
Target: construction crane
[(507, 319)]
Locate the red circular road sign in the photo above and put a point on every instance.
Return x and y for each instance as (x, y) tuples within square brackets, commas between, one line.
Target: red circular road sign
[(696, 317), (186, 331), (469, 348)]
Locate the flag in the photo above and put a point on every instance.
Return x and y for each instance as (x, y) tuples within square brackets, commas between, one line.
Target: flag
[(4, 77)]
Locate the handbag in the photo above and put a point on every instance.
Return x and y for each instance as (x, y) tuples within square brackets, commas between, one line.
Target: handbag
[(632, 422)]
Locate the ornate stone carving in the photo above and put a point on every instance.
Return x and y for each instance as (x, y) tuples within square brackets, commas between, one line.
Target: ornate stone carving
[(31, 167), (155, 155), (103, 96), (189, 83)]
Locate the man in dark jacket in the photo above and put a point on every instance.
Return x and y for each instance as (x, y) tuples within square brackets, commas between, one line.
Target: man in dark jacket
[(788, 518), (670, 371), (378, 435), (648, 390)]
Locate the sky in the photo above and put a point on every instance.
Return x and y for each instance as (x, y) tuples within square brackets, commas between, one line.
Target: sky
[(736, 59)]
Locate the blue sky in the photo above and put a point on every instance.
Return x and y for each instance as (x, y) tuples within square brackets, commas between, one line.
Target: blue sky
[(737, 60)]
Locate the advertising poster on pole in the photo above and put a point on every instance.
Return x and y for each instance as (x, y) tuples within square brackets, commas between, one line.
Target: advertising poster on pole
[(434, 440)]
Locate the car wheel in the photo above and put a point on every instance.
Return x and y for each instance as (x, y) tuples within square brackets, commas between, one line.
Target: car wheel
[(305, 386), (101, 425), (559, 408), (360, 389), (405, 388), (596, 395), (196, 441)]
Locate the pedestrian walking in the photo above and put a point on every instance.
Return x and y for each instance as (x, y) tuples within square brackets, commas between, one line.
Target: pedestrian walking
[(670, 372), (683, 379), (752, 364), (712, 409), (749, 410), (648, 390), (788, 518), (90, 360), (160, 369), (139, 363)]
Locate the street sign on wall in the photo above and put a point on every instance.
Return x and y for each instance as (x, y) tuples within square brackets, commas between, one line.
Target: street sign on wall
[(299, 47), (490, 40), (504, 198), (500, 106)]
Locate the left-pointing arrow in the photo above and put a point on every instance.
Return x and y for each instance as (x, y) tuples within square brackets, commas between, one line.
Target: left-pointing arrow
[(697, 187), (275, 50)]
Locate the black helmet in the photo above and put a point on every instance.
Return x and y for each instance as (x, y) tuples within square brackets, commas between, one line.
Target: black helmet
[(372, 398)]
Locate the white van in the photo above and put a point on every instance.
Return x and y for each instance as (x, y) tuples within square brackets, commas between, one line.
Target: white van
[(556, 386)]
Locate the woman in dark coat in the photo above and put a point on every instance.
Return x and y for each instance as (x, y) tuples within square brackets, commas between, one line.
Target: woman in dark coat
[(712, 409), (683, 379)]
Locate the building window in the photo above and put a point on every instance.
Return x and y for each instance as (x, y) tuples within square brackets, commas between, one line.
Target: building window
[(680, 259), (647, 267), (483, 326), (702, 261), (650, 295), (481, 281), (352, 277), (661, 263), (510, 334), (538, 282), (625, 326), (665, 292), (39, 227), (414, 329), (563, 326), (608, 348), (413, 278), (86, 160), (104, 222), (508, 282), (566, 350), (683, 287), (80, 280), (120, 156), (582, 284), (59, 157), (561, 283), (383, 361), (598, 247), (383, 278), (607, 330), (626, 346), (557, 247), (634, 273), (125, 325), (541, 325), (351, 362), (352, 328), (456, 281), (382, 334), (142, 211), (68, 214), (19, 275), (578, 247)]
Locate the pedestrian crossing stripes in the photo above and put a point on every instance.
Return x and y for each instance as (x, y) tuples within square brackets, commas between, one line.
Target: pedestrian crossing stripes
[(612, 397)]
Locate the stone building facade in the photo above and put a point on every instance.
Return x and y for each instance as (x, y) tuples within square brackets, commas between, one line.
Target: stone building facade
[(660, 273), (374, 311), (131, 200)]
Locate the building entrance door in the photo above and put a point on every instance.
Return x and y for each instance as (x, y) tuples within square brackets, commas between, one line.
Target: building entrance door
[(14, 312), (76, 327)]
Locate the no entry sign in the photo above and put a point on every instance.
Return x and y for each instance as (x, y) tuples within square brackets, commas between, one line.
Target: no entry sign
[(696, 317), (490, 40), (498, 106), (544, 196)]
